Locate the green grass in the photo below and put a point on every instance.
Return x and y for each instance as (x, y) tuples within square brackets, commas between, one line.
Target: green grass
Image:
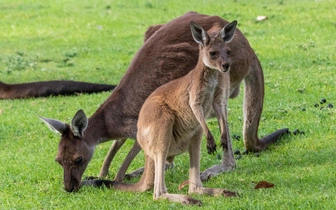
[(96, 40)]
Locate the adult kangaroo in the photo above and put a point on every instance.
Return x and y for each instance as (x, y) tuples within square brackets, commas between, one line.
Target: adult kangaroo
[(169, 53), (48, 88), (173, 118)]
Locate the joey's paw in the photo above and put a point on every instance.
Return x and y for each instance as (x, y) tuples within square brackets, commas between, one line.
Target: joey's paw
[(211, 148), (224, 145), (211, 144)]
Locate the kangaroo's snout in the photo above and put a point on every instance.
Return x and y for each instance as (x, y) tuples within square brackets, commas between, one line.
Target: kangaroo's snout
[(225, 67)]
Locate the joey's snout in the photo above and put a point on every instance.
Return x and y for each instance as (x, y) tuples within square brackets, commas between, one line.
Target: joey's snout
[(225, 67)]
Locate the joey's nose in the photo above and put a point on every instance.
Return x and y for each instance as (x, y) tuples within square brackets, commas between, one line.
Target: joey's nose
[(226, 67)]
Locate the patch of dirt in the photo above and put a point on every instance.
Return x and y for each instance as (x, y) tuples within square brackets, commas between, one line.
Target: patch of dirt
[(263, 184)]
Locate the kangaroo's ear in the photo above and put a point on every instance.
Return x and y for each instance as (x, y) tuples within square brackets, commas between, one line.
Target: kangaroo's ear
[(79, 123), (228, 31), (198, 33), (54, 125)]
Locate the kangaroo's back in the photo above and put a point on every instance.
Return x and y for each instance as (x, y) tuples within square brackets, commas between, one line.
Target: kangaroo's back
[(169, 53)]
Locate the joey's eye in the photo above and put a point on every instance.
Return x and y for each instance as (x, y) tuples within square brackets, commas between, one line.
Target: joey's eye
[(78, 160), (212, 53), (229, 52)]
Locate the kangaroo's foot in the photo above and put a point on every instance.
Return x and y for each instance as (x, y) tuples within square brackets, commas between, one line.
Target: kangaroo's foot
[(228, 165), (211, 172), (97, 183), (183, 199)]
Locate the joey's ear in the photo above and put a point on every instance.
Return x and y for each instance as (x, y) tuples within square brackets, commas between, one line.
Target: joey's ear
[(54, 125), (228, 31), (198, 33), (79, 123)]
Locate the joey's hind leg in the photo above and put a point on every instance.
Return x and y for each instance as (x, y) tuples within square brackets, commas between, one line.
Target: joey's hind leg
[(160, 189), (195, 184), (160, 156)]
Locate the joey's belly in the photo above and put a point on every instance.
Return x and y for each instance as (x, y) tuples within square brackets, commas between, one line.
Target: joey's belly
[(182, 138)]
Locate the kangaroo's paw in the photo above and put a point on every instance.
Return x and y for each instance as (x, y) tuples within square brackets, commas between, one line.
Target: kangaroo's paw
[(215, 170), (211, 145)]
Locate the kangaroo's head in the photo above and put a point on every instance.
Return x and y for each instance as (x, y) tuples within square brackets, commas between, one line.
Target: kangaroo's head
[(74, 153), (213, 49)]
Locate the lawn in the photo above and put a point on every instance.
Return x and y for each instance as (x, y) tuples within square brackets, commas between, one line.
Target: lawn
[(95, 41)]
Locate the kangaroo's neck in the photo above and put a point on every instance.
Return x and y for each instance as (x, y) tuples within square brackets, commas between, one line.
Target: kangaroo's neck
[(96, 132), (114, 119)]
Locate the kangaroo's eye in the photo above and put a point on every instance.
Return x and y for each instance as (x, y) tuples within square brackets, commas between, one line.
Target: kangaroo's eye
[(78, 160), (229, 52), (212, 53)]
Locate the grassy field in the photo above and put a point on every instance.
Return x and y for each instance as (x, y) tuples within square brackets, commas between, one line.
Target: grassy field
[(96, 40)]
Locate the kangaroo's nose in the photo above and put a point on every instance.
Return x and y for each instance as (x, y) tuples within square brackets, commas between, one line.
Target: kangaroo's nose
[(226, 66)]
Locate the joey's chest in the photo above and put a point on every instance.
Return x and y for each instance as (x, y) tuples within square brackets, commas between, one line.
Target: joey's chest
[(206, 91)]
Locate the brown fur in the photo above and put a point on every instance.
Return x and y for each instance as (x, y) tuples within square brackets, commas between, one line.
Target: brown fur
[(169, 53), (48, 88)]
